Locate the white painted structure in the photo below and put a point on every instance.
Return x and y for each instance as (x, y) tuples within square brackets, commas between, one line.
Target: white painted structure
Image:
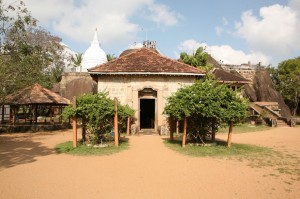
[(94, 55)]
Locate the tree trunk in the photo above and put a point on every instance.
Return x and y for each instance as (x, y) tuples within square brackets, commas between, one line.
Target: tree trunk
[(171, 135), (116, 123), (229, 134), (83, 130), (213, 131), (184, 132), (177, 128)]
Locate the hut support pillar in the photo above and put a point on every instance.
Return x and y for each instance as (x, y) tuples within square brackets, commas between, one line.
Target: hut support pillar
[(2, 114), (35, 113), (50, 115)]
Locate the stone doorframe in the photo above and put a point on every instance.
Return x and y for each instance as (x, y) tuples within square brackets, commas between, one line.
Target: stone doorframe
[(148, 93)]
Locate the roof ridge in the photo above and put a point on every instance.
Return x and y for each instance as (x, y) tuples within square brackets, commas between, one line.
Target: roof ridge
[(165, 57), (220, 69), (158, 63)]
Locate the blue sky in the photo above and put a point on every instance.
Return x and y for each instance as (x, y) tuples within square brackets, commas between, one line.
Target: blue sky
[(233, 31)]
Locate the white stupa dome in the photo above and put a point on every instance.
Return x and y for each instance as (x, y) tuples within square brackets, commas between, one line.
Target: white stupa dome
[(94, 55)]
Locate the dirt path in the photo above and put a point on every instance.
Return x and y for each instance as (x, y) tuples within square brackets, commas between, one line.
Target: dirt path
[(30, 168)]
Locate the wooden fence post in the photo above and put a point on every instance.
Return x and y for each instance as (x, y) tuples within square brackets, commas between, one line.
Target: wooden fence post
[(184, 132), (229, 134), (128, 126), (116, 123), (74, 125), (177, 128)]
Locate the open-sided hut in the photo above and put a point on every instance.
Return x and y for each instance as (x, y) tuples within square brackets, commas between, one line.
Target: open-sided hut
[(34, 101)]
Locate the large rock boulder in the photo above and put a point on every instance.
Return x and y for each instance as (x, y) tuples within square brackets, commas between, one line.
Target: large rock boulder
[(265, 92)]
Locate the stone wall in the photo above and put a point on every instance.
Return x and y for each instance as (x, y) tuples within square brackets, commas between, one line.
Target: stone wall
[(126, 89), (246, 70)]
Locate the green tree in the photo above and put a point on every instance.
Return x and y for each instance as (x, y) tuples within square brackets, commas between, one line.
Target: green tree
[(289, 82), (29, 54), (76, 60), (110, 57), (199, 59), (96, 112), (206, 105)]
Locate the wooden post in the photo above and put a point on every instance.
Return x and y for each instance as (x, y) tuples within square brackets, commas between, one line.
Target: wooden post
[(74, 125), (177, 128), (116, 123), (184, 132), (229, 134), (35, 113), (13, 116), (50, 115), (2, 116), (128, 126)]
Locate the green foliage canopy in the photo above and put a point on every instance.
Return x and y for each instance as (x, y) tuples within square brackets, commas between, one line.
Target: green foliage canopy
[(206, 104), (289, 82), (97, 110), (199, 59), (28, 54)]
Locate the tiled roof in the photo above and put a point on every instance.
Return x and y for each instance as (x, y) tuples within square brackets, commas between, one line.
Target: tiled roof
[(36, 94), (225, 76), (146, 61)]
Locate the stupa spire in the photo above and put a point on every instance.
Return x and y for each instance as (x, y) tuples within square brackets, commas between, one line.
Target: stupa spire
[(95, 39)]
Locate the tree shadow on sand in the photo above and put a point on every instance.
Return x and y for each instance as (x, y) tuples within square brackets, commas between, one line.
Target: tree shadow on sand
[(15, 151)]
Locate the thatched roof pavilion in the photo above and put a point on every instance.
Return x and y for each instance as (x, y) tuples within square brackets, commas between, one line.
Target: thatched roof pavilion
[(36, 94), (33, 98)]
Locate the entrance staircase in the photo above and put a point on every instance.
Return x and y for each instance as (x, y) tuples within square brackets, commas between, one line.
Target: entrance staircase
[(147, 131), (269, 111)]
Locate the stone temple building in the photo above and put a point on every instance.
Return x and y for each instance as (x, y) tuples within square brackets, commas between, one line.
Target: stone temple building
[(140, 77), (144, 79)]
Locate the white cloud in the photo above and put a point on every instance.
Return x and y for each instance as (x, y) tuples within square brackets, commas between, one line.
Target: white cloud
[(225, 53), (228, 55), (275, 32), (162, 14), (77, 19)]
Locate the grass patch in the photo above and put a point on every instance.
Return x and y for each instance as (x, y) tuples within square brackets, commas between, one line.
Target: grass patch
[(219, 150), (244, 128), (84, 150), (255, 156)]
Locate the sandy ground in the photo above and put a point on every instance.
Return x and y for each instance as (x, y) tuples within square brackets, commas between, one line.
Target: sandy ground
[(30, 168)]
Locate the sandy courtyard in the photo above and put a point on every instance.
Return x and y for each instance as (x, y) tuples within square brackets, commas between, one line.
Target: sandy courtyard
[(30, 168)]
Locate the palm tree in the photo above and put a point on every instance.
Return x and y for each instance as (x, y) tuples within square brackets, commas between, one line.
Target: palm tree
[(198, 59), (76, 60), (110, 57)]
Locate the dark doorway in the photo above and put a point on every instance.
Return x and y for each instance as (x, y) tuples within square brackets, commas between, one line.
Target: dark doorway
[(147, 113)]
